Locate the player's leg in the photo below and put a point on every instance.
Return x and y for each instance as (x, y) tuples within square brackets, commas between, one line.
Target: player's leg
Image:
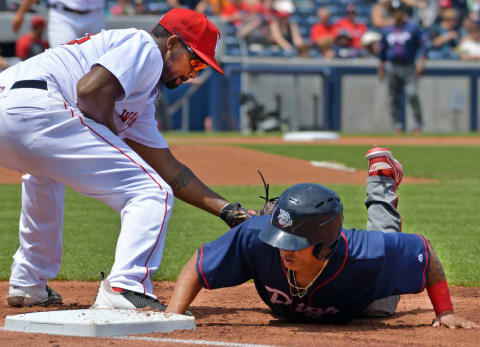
[(61, 27), (105, 168), (40, 230), (395, 90), (411, 92), (52, 141), (384, 176), (39, 256)]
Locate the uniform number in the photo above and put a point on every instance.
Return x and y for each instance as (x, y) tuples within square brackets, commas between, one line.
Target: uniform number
[(80, 40)]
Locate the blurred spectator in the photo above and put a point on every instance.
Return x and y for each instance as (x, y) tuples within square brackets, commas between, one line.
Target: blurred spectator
[(381, 14), (401, 44), (238, 12), (371, 43), (427, 11), (123, 8), (217, 6), (140, 7), (343, 46), (474, 7), (350, 24), (251, 20), (469, 48), (468, 25), (284, 31), (32, 43), (196, 5), (444, 36), (322, 34)]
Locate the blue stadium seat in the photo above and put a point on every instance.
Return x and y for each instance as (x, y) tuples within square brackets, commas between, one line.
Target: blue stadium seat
[(304, 30), (311, 20), (308, 11)]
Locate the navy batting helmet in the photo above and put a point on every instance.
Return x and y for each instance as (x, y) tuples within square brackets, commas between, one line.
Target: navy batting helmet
[(305, 214)]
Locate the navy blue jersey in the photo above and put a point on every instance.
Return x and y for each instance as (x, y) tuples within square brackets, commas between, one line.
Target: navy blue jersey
[(402, 44), (367, 265)]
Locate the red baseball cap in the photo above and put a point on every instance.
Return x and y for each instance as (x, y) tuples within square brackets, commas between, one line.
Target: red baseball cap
[(196, 30), (38, 22)]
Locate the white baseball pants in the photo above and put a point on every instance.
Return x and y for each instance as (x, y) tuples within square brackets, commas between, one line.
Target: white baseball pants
[(57, 146), (66, 26)]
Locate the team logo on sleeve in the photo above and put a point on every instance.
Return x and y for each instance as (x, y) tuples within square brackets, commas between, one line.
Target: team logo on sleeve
[(128, 118), (420, 258), (284, 219)]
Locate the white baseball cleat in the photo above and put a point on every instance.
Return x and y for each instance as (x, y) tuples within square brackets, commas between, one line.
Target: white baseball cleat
[(124, 299), (32, 296)]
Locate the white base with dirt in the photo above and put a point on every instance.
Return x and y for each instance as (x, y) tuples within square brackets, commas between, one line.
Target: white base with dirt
[(98, 322)]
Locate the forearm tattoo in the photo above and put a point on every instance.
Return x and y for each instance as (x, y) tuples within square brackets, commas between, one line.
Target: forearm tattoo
[(435, 271), (183, 178)]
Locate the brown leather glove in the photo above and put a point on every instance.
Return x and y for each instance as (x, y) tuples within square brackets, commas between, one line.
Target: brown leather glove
[(234, 214)]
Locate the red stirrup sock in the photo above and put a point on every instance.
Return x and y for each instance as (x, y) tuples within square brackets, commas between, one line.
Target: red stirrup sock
[(440, 297)]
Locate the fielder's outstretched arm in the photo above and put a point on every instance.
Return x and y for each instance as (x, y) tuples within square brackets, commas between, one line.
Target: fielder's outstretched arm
[(440, 296), (186, 186), (186, 289)]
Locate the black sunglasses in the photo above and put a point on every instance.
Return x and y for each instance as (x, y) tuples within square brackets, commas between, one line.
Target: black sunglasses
[(197, 63)]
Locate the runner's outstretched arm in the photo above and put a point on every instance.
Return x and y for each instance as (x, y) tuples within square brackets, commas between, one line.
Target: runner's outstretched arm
[(186, 289), (440, 296)]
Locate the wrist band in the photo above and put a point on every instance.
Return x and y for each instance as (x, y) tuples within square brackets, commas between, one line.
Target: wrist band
[(440, 297)]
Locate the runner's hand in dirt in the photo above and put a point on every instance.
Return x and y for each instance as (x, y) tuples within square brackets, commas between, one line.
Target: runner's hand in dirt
[(452, 321)]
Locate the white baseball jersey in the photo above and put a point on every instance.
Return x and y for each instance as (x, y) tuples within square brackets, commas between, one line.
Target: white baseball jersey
[(131, 55), (43, 133)]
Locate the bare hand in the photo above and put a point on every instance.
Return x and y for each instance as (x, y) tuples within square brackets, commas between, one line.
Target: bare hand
[(419, 70), (452, 35), (17, 22), (381, 72), (452, 321)]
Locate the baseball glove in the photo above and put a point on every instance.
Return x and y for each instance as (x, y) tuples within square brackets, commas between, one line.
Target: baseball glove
[(234, 214)]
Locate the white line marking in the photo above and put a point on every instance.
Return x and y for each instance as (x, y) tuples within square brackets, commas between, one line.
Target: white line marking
[(189, 342), (332, 165)]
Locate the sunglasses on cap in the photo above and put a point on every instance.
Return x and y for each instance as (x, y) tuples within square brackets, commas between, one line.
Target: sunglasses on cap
[(197, 63)]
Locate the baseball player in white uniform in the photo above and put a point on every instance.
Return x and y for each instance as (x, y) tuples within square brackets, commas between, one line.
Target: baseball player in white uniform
[(68, 19), (82, 115)]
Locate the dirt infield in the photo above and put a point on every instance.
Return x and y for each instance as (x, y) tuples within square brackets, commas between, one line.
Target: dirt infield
[(237, 315), (233, 165)]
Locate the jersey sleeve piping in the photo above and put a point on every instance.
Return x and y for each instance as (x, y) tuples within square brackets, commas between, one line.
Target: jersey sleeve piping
[(336, 273), (200, 270), (427, 264)]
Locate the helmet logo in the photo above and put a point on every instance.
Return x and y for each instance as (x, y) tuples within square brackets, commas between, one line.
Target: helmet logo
[(284, 219)]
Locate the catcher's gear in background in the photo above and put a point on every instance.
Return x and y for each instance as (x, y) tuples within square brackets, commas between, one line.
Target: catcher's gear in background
[(234, 214)]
